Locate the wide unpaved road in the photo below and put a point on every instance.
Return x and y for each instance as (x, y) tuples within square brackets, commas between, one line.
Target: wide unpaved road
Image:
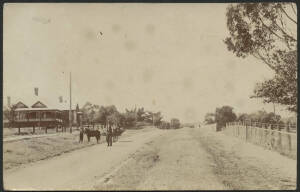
[(78, 169), (186, 158)]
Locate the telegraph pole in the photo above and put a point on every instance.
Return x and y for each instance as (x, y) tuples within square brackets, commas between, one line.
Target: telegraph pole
[(70, 112), (153, 119)]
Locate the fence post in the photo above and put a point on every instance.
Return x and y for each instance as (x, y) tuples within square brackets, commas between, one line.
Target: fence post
[(279, 145), (264, 134), (255, 133), (238, 130), (289, 137), (246, 131)]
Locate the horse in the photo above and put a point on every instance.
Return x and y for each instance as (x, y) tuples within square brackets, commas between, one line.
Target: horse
[(92, 133), (116, 133)]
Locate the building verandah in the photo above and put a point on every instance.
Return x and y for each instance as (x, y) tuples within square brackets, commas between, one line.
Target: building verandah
[(26, 117)]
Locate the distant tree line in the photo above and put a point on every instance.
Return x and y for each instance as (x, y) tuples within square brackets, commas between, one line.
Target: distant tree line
[(130, 118), (226, 114)]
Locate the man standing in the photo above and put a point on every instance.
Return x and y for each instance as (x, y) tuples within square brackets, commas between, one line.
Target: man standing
[(109, 136), (81, 135)]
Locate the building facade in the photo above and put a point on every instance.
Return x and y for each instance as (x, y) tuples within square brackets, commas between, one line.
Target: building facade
[(42, 115)]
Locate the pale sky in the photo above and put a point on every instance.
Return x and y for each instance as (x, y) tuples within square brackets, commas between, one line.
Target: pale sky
[(164, 57)]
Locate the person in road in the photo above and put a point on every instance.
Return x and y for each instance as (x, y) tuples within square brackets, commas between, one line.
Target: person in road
[(81, 135), (109, 136)]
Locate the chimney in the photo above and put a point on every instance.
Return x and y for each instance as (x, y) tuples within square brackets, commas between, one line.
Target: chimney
[(8, 101), (36, 91), (60, 99)]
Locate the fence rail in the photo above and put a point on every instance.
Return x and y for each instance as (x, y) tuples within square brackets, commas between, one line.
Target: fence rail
[(273, 137), (281, 126)]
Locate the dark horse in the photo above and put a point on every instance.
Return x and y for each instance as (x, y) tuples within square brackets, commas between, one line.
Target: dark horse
[(92, 133), (116, 133)]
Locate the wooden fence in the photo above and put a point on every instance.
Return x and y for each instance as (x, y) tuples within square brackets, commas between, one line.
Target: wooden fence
[(280, 138)]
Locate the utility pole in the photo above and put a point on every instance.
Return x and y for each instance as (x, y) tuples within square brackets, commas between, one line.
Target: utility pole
[(153, 119), (70, 112)]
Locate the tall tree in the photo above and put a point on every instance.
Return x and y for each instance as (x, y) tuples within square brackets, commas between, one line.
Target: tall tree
[(140, 114), (267, 31), (89, 111), (157, 118), (115, 118), (107, 114), (224, 115), (175, 123), (130, 118), (102, 116)]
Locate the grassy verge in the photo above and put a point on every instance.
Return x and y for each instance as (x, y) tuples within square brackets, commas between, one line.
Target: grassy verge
[(21, 152), (30, 150), (13, 132)]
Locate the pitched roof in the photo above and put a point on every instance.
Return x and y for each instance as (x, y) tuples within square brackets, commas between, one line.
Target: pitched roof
[(38, 104), (21, 105), (43, 102)]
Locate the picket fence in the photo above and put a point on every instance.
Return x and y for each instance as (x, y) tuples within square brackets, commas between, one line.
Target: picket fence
[(278, 137)]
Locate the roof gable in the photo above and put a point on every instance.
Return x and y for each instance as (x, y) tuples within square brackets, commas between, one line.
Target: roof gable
[(39, 104), (21, 105)]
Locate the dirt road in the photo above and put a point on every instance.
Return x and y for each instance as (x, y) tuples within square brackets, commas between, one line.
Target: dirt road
[(78, 169), (201, 159), (188, 158)]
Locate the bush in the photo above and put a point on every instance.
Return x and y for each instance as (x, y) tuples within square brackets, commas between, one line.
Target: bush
[(224, 115), (175, 123)]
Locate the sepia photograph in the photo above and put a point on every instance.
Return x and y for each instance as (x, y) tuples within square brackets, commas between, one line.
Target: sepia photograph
[(150, 96)]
